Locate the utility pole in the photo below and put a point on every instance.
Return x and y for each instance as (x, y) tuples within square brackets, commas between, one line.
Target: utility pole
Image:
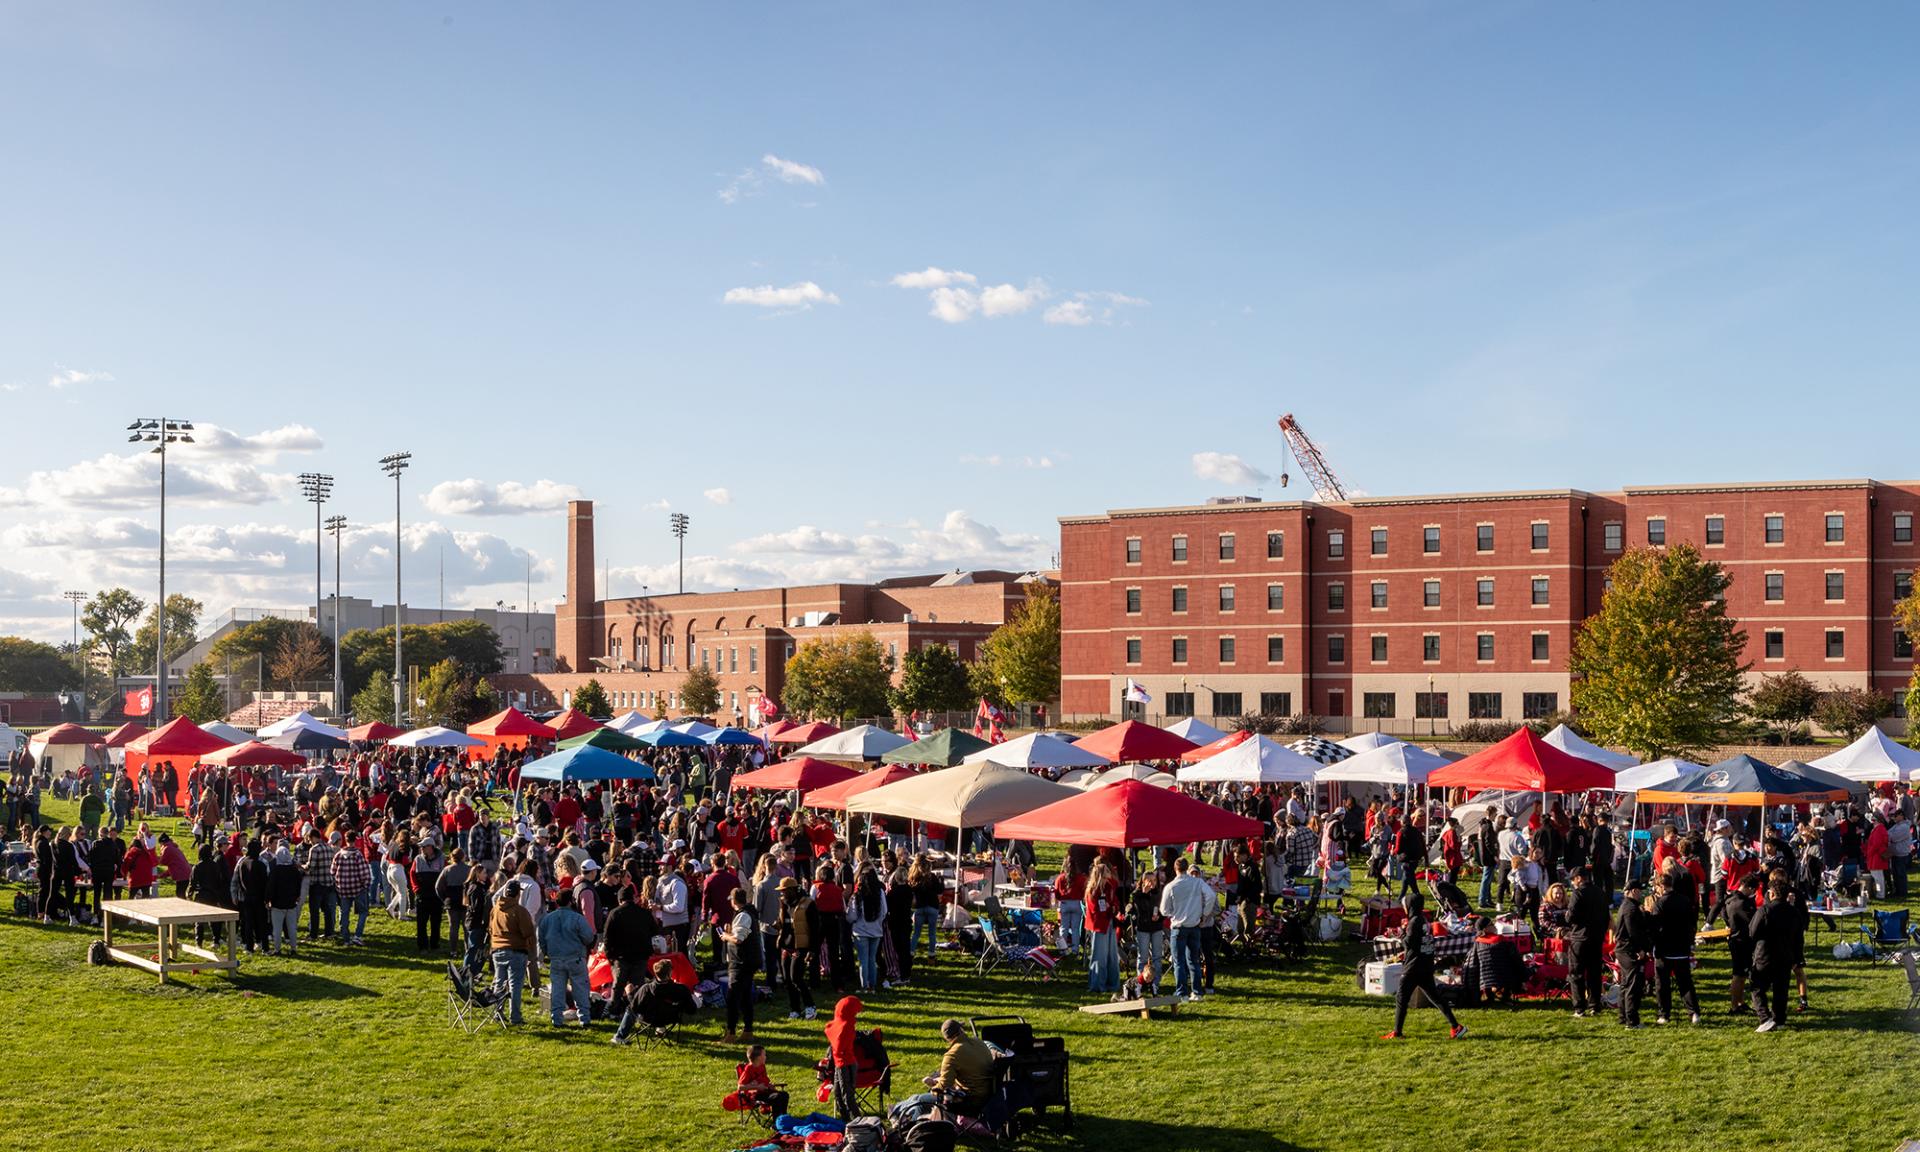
[(79, 598), (161, 431), (336, 525), (316, 487), (393, 465), (679, 521)]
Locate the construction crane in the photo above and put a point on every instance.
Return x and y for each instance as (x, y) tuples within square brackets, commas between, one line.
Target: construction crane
[(1326, 485)]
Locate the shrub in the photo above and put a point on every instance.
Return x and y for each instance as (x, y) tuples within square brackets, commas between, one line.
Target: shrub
[(1484, 731)]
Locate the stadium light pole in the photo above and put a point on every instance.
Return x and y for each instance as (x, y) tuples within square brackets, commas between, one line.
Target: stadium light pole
[(161, 431), (78, 598), (394, 465), (316, 487), (679, 521), (336, 525)]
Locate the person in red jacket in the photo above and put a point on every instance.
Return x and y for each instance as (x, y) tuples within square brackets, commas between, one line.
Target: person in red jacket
[(1878, 858), (137, 866), (845, 1054), (175, 863)]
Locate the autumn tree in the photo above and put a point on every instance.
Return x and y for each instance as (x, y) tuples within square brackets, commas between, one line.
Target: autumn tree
[(106, 618), (932, 679), (1658, 669), (838, 676), (1848, 712), (1784, 701), (700, 691), (183, 627), (1022, 656), (302, 654)]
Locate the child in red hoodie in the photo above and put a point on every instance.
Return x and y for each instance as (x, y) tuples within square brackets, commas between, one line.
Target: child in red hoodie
[(845, 1054)]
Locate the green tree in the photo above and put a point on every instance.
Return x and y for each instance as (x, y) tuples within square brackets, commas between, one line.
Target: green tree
[(1913, 710), (1784, 701), (30, 666), (700, 692), (374, 701), (1024, 653), (932, 679), (105, 618), (248, 653), (591, 699), (838, 676), (183, 627), (471, 644), (1658, 669), (436, 691), (982, 686), (201, 700), (1848, 712)]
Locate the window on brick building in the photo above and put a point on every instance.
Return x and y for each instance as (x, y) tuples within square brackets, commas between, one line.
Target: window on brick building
[(1430, 593), (1430, 540), (1540, 590), (1902, 645), (1276, 597), (1611, 537), (1538, 705), (1836, 643), (1379, 649), (1430, 647), (1483, 593), (1379, 592), (1483, 646), (1776, 645), (1336, 597), (1902, 586), (1336, 545), (1133, 551), (1179, 548), (1276, 545), (1179, 598), (1226, 546), (1226, 649), (1540, 646), (1836, 528), (1179, 703), (753, 659), (1836, 586), (1483, 537), (1776, 528), (733, 659), (1226, 597), (1226, 703), (1429, 705), (1276, 703), (1716, 529), (1377, 705), (1776, 584), (1379, 542), (1657, 531), (1133, 601), (1276, 649), (1336, 649), (1484, 706), (1133, 650), (1539, 536), (1180, 650), (1903, 527)]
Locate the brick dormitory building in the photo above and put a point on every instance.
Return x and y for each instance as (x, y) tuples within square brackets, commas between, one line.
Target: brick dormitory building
[(640, 648), (1409, 614)]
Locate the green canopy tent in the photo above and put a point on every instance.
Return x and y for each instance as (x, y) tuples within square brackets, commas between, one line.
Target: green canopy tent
[(945, 748), (607, 739)]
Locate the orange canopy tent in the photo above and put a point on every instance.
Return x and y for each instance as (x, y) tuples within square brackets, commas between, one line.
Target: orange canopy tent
[(374, 732), (1130, 742), (1230, 740), (803, 734), (573, 722), (179, 742), (834, 796), (511, 728), (254, 754)]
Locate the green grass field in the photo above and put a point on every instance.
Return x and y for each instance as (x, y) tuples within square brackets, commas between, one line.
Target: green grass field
[(345, 1049)]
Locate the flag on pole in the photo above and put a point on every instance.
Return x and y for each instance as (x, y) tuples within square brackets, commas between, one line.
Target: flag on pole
[(138, 702), (767, 708), (980, 718), (995, 735), (1135, 694)]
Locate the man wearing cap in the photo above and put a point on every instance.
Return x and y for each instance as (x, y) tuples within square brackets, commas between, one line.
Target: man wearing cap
[(1718, 848), (1633, 947), (1586, 937), (511, 932), (672, 901)]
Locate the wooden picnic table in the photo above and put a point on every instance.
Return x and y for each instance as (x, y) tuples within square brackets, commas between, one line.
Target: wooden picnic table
[(168, 915)]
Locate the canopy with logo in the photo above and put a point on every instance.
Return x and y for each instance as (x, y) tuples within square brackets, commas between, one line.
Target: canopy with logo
[(1128, 814), (1741, 781)]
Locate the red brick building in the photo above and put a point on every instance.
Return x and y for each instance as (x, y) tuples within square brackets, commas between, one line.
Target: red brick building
[(1411, 613), (640, 648)]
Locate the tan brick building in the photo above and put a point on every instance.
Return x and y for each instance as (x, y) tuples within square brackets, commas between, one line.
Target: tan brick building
[(1410, 613)]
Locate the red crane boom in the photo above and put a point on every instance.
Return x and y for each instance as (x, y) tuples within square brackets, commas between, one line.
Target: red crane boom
[(1319, 473)]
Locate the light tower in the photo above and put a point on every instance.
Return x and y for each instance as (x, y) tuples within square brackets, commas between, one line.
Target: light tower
[(394, 465)]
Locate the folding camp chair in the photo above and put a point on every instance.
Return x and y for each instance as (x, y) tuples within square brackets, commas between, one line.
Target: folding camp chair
[(1889, 932), (1913, 979), (473, 1004)]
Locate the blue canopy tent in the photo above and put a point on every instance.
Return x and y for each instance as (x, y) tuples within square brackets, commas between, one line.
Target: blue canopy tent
[(668, 738), (586, 763), (732, 736)]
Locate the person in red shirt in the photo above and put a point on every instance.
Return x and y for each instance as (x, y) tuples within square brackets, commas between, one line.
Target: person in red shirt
[(566, 810), (830, 901), (1668, 848), (733, 833), (174, 861), (137, 866), (1102, 897)]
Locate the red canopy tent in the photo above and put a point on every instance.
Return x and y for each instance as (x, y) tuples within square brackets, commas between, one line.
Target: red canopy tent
[(126, 734), (374, 732), (834, 796), (511, 728), (1523, 763), (69, 734), (803, 773), (254, 754), (573, 722), (1130, 742), (803, 733), (1230, 740), (1130, 814), (179, 742)]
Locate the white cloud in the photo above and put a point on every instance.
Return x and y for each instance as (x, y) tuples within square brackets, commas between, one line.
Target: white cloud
[(1227, 468), (1088, 308), (472, 497), (11, 386), (799, 296), (660, 505), (932, 277), (997, 460), (212, 439), (1006, 300), (792, 171), (954, 305), (1071, 312), (75, 377), (718, 496), (134, 482)]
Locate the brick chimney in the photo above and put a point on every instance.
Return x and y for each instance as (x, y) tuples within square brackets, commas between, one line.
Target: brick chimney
[(577, 622)]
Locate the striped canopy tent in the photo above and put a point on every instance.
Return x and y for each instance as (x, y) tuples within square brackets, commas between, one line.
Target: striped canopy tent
[(1742, 781), (1230, 740), (1320, 748)]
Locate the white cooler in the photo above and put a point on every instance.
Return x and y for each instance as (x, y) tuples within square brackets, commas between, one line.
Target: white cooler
[(1382, 979)]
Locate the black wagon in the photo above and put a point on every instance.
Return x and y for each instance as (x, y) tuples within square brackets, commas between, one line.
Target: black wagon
[(1033, 1076)]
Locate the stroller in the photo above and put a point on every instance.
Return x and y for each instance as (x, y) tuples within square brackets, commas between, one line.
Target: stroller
[(1030, 1073)]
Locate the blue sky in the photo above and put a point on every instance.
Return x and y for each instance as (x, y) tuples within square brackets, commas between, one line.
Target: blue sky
[(651, 255)]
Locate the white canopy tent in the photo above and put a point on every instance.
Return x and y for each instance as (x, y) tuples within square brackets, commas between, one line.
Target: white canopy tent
[(225, 731), (1257, 761), (693, 727), (1196, 730), (434, 736), (1872, 757), (967, 796), (1037, 750), (301, 719), (1397, 764), (1653, 774), (864, 742), (1573, 744), (633, 723), (1368, 741), (1124, 772), (1079, 777), (59, 759)]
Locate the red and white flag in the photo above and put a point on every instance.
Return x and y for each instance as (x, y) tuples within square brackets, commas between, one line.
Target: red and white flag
[(980, 718), (767, 708), (138, 702)]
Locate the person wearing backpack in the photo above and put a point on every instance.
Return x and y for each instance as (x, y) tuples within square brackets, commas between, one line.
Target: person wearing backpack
[(798, 936), (742, 937)]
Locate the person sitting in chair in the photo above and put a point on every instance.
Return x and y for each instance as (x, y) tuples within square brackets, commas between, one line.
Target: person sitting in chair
[(965, 1080), (659, 1004)]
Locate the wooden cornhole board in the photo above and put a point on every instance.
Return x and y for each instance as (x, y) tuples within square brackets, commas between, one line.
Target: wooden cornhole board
[(1144, 1006), (168, 915)]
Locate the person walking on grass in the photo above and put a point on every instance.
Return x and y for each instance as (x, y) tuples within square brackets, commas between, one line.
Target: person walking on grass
[(1587, 920), (1676, 915), (1774, 930), (1634, 944), (510, 931), (1416, 970)]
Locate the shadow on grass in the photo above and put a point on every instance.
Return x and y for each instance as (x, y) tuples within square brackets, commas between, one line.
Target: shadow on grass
[(1096, 1132), (295, 986)]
